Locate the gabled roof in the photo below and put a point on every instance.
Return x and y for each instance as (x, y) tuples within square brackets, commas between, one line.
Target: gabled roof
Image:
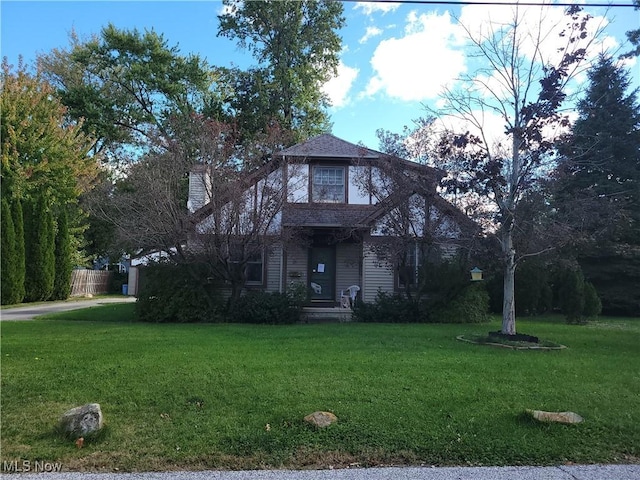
[(327, 145)]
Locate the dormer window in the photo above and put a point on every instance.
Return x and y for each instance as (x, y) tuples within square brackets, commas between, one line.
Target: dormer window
[(328, 185)]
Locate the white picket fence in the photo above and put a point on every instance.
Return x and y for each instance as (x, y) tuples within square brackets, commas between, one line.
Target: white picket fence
[(85, 282)]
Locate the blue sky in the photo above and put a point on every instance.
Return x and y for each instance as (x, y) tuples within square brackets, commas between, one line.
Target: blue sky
[(395, 57)]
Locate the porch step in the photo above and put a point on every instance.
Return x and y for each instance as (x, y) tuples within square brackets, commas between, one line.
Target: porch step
[(325, 314)]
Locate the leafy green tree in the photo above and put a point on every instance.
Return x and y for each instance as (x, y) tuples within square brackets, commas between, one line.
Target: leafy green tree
[(63, 266), (9, 266), (297, 45), (126, 85), (39, 249), (46, 154)]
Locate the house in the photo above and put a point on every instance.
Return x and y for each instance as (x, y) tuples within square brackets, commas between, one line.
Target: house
[(344, 215)]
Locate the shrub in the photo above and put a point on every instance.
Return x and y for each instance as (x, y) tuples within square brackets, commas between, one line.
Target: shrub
[(577, 299), (39, 250), (533, 293), (266, 308), (592, 303), (116, 281), (9, 288), (470, 306), (63, 266), (171, 293), (389, 308)]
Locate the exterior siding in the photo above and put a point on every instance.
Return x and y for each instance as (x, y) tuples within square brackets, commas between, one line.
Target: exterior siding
[(197, 191), (376, 275), (273, 269), (348, 266), (297, 265)]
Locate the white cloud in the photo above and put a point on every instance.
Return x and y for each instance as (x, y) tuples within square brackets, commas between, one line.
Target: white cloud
[(338, 87), (417, 66), (370, 33), (368, 8)]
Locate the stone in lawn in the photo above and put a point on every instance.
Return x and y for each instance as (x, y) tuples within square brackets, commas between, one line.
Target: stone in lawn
[(558, 417), (81, 421), (321, 419)]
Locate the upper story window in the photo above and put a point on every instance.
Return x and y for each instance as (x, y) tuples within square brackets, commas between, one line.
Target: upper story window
[(328, 185)]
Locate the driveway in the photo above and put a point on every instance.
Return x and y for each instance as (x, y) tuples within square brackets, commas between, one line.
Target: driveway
[(29, 312)]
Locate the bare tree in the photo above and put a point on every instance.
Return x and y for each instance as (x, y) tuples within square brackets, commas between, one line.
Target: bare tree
[(237, 219), (523, 86)]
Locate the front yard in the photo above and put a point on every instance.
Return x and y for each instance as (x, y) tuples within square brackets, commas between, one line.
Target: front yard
[(233, 396)]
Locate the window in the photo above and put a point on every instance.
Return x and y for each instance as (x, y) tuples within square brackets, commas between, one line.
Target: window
[(253, 265), (254, 269), (328, 185), (408, 270)]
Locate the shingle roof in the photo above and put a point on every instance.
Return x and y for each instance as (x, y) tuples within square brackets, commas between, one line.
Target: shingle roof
[(327, 145), (326, 215)]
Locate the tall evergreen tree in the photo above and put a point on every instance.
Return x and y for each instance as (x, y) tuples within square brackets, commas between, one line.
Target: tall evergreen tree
[(39, 249), (602, 156), (63, 266), (8, 265), (601, 170)]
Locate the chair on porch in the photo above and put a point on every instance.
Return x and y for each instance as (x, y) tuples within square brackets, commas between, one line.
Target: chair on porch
[(348, 296)]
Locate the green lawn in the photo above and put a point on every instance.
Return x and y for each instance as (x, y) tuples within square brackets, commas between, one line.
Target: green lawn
[(201, 396)]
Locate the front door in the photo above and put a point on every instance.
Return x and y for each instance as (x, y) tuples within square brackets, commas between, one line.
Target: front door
[(322, 273)]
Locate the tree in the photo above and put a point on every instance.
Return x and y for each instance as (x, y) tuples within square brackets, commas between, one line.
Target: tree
[(237, 221), (598, 185), (9, 268), (44, 154), (39, 250), (47, 154), (63, 266), (126, 85), (297, 46), (524, 86), (18, 224), (634, 37), (600, 159)]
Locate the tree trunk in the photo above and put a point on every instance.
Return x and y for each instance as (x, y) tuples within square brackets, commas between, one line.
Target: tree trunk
[(509, 302)]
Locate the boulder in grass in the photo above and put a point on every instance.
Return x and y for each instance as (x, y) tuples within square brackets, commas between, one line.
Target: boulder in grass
[(321, 419), (555, 417), (81, 421)]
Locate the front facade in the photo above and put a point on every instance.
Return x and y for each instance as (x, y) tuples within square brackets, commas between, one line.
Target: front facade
[(345, 217)]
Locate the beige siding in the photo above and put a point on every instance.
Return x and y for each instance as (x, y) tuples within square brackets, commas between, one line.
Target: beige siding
[(197, 191), (273, 269), (377, 275), (348, 265), (297, 265)]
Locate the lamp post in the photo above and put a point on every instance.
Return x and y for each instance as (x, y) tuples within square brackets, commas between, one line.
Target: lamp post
[(476, 274)]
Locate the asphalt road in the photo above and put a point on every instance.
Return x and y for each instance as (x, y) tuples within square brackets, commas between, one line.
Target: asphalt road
[(573, 472), (29, 312)]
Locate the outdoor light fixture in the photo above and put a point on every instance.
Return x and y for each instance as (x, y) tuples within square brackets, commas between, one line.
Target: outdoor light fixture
[(476, 274)]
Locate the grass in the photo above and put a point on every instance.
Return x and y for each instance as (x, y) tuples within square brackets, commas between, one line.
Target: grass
[(233, 396)]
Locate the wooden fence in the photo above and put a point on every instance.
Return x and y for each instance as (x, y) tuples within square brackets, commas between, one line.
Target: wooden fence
[(85, 282)]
